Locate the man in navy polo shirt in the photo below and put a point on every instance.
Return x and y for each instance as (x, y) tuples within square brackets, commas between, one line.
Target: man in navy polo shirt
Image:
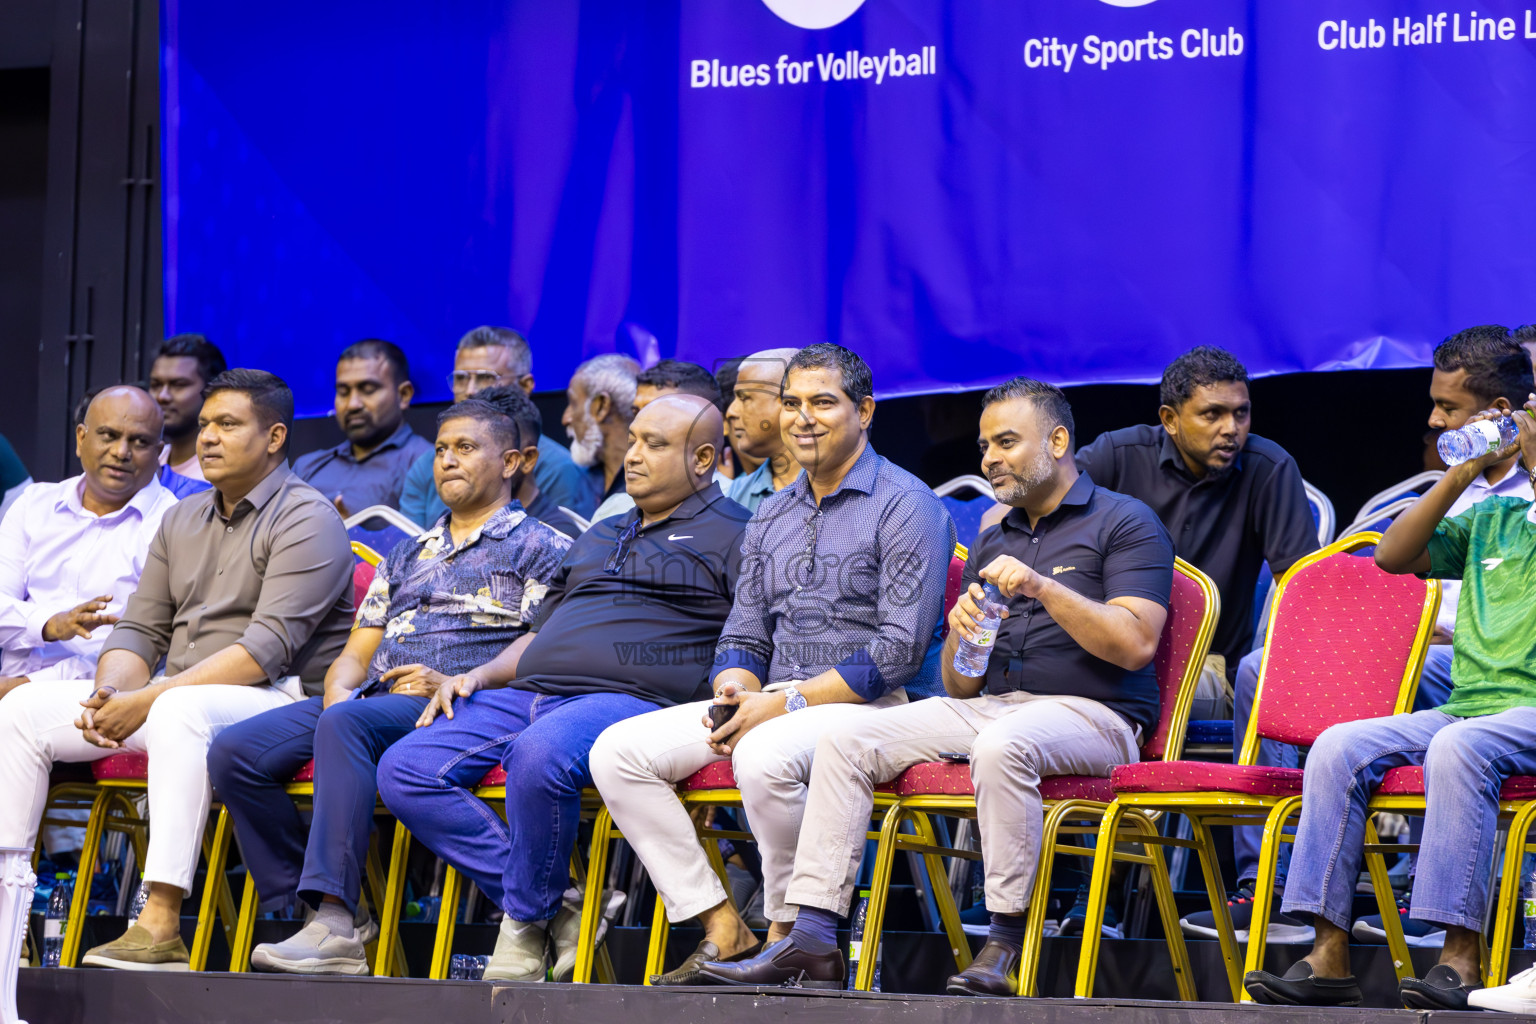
[(842, 587), (1069, 690), (628, 626)]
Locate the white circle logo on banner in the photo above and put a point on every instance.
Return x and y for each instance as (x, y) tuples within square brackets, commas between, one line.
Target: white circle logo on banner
[(816, 13), (1127, 3)]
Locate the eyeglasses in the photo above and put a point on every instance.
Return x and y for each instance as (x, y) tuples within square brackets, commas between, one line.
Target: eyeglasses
[(480, 379), (615, 563)]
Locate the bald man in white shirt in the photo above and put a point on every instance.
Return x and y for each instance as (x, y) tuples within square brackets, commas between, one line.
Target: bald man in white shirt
[(71, 552)]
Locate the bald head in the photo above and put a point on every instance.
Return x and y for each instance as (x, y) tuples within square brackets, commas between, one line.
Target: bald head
[(754, 408), (673, 445), (119, 447), (766, 367), (125, 400)]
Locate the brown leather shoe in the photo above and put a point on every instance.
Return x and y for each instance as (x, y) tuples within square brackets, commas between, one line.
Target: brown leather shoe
[(994, 972), (783, 963), (687, 972)]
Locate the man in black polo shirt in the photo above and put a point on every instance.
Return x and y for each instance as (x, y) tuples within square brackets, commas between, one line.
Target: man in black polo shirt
[(1069, 689), (628, 625), (1231, 500)]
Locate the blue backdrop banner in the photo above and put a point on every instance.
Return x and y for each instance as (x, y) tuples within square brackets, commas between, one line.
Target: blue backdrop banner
[(960, 191)]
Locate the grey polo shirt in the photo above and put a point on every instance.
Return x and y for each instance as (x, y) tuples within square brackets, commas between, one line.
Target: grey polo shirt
[(274, 577)]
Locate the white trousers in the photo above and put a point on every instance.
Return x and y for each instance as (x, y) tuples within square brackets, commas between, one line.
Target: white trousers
[(1014, 741), (636, 763), (37, 728), (16, 881)]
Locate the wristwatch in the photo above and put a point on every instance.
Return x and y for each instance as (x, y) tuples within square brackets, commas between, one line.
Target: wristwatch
[(794, 700)]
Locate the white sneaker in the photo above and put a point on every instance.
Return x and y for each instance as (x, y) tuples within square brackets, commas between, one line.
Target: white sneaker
[(1518, 995), (314, 950), (565, 929), (520, 953)]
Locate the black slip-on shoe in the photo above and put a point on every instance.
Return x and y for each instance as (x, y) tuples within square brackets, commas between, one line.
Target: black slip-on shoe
[(1300, 987), (783, 963), (1441, 988), (994, 972)]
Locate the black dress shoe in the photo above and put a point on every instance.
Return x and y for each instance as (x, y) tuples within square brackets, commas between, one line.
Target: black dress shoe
[(1300, 987), (1440, 989), (687, 972), (783, 963), (994, 972)]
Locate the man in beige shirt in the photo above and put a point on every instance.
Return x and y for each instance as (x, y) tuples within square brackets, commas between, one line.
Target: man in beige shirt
[(247, 594)]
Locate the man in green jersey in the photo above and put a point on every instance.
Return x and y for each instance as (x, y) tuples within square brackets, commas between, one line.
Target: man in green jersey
[(1468, 746)]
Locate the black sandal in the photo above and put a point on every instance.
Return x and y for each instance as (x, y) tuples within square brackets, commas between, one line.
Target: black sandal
[(1300, 987)]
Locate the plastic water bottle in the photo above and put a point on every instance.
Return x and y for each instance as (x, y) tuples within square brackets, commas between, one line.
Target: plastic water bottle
[(1530, 907), (56, 918), (140, 898), (1475, 440), (972, 655), (856, 943)]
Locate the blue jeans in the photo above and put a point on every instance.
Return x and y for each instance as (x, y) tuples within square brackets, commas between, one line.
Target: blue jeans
[(1434, 690), (1465, 762), (250, 763), (427, 781)]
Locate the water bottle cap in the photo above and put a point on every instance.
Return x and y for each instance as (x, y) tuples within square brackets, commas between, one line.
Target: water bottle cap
[(62, 876), (863, 893)]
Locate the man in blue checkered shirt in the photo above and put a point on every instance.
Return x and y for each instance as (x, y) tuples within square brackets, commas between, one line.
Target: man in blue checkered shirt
[(837, 609)]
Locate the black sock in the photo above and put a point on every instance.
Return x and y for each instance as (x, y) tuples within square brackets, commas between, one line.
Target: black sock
[(1008, 930)]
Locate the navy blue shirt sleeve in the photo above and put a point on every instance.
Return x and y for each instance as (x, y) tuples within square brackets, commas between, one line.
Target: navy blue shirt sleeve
[(1138, 560), (917, 538), (1284, 518)]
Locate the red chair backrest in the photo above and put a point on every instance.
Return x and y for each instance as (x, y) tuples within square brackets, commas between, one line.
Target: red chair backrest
[(1193, 608), (362, 579), (1346, 642), (952, 584)]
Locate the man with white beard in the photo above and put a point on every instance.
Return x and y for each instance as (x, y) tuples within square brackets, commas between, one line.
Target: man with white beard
[(600, 402)]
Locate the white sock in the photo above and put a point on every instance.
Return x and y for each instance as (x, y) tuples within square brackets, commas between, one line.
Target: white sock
[(337, 918)]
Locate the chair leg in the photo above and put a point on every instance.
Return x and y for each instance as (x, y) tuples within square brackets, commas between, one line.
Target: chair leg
[(245, 928), (949, 914), (1167, 907), (447, 921), (1496, 971), (592, 898), (214, 887), (1264, 885), (656, 949), (389, 958), (1098, 894), (879, 889), (1386, 906), (1205, 850), (1034, 927), (74, 928)]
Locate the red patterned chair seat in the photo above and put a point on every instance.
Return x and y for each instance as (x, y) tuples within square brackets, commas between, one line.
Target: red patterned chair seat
[(130, 765), (495, 777), (941, 778), (1202, 776), (720, 775), (306, 773), (1409, 781)]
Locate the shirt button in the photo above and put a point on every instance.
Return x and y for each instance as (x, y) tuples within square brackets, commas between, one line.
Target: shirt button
[(229, 529), (191, 644), (1035, 540)]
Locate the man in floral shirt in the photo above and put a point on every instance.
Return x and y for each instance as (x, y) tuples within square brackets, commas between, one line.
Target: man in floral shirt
[(444, 602)]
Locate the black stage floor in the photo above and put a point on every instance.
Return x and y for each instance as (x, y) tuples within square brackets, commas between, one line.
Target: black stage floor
[(110, 997)]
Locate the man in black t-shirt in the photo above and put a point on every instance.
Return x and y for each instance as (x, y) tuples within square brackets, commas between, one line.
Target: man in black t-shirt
[(628, 625), (1068, 690)]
